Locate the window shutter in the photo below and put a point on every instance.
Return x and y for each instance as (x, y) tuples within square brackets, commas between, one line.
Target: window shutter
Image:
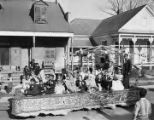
[(40, 13)]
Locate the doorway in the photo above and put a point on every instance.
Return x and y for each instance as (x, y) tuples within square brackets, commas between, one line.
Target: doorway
[(4, 56)]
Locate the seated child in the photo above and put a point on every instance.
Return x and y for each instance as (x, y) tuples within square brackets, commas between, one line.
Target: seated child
[(99, 82), (34, 88), (117, 81), (50, 85), (70, 83), (91, 79), (81, 84), (59, 88)]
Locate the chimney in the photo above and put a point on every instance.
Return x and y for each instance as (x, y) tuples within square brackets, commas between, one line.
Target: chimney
[(56, 1), (67, 16)]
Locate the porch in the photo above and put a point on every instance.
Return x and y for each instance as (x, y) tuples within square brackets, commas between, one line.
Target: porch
[(139, 47), (17, 51)]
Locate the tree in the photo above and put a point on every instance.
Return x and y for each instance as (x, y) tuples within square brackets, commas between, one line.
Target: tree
[(131, 4), (119, 6)]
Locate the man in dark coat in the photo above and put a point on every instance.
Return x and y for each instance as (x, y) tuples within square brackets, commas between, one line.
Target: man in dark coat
[(127, 66)]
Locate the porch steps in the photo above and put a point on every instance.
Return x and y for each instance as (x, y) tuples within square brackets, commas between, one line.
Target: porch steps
[(15, 77)]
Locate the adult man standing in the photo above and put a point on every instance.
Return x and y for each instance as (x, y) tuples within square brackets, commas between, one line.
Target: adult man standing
[(127, 66)]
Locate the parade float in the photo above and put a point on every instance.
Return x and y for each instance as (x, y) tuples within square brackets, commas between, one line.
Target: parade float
[(61, 104)]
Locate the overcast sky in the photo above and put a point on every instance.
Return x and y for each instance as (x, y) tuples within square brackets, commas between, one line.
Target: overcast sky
[(86, 8)]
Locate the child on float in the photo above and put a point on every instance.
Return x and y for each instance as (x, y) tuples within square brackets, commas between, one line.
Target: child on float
[(91, 79), (59, 88), (116, 85), (34, 88), (70, 86), (50, 84), (99, 82), (81, 84), (117, 80)]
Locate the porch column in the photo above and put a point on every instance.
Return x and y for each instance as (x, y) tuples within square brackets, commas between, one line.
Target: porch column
[(119, 44), (34, 41), (34, 45), (88, 59), (151, 41), (134, 47), (68, 52), (72, 55)]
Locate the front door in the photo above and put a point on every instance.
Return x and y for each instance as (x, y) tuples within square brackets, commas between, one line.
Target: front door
[(4, 56)]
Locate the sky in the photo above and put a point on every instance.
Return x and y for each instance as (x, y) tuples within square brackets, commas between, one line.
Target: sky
[(87, 9)]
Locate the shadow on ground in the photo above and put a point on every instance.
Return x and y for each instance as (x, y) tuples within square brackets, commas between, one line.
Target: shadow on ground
[(152, 116), (151, 89)]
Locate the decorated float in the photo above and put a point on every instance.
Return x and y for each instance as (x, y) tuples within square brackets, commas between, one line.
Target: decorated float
[(61, 104)]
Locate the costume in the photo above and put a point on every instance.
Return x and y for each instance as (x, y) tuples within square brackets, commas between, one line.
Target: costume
[(127, 66), (59, 88), (99, 82), (70, 84), (142, 109), (42, 76), (81, 85), (117, 84), (34, 90), (50, 87), (91, 81)]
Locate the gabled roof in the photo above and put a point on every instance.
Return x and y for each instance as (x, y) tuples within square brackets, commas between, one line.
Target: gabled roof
[(84, 26), (15, 17), (113, 24)]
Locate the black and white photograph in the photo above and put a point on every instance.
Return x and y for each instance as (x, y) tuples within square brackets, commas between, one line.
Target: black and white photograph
[(76, 59)]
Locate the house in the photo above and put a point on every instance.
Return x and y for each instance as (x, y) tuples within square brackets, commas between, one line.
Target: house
[(82, 29), (33, 29), (132, 30)]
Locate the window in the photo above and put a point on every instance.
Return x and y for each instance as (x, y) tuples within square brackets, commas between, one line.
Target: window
[(38, 12)]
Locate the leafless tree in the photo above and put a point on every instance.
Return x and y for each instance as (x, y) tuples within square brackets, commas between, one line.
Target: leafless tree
[(131, 4), (119, 6)]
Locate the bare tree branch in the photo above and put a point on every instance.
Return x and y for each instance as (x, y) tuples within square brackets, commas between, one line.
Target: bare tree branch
[(108, 12), (118, 6)]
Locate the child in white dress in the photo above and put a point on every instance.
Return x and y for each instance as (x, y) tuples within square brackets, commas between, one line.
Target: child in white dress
[(117, 81)]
